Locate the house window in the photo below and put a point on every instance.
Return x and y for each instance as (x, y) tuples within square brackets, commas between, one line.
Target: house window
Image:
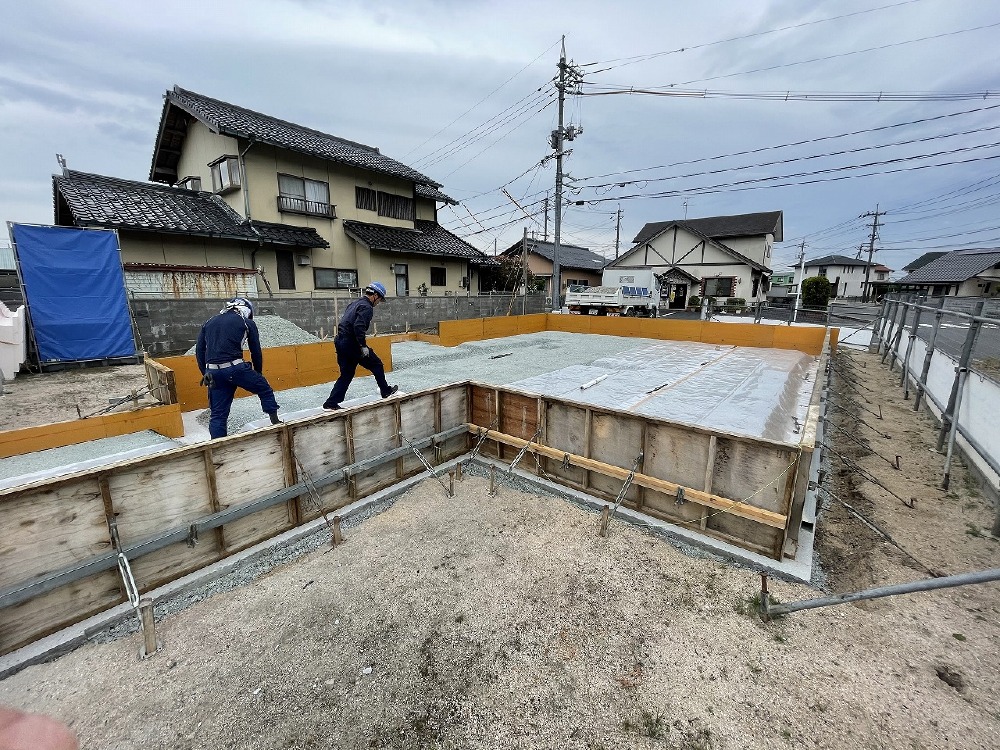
[(225, 174), (439, 276), (365, 199), (395, 206), (335, 278), (190, 183), (579, 283), (822, 270), (722, 286), (298, 195)]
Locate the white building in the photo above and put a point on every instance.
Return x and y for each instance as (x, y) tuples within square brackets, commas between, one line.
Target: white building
[(846, 275)]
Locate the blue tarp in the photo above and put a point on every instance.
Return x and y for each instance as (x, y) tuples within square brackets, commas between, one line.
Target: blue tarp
[(75, 292)]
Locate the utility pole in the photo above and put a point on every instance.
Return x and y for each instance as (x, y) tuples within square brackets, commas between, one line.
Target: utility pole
[(569, 77), (802, 275), (618, 231), (524, 270), (871, 248)]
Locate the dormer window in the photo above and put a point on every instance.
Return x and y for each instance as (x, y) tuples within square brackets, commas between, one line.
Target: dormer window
[(225, 174), (190, 183)]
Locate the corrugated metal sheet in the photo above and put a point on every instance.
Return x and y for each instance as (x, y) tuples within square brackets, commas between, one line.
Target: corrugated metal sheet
[(7, 258), (157, 283)]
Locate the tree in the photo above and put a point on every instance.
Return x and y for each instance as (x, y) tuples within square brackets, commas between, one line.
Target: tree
[(816, 291), (509, 276)]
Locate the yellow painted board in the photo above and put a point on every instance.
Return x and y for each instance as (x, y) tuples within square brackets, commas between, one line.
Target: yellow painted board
[(495, 328), (615, 326), (803, 339), (568, 323), (834, 340), (532, 323), (319, 356), (190, 394), (672, 330), (279, 368), (454, 332), (737, 334), (42, 437)]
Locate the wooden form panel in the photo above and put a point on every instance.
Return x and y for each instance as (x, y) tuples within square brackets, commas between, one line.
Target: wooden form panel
[(567, 428), (744, 468), (161, 382), (245, 470), (518, 417), (418, 418), (164, 494), (50, 527), (494, 328), (371, 433), (454, 332), (483, 412), (321, 447), (617, 440)]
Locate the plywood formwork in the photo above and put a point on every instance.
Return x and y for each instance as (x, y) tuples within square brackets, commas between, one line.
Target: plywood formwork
[(180, 510), (177, 511)]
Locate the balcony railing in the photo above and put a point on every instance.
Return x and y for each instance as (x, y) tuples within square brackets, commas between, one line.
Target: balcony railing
[(291, 205)]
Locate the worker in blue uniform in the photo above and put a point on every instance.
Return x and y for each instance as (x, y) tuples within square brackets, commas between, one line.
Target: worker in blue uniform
[(220, 358), (353, 350)]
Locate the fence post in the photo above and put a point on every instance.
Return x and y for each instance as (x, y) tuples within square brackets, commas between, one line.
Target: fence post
[(949, 414), (877, 325), (938, 314), (904, 376), (887, 323), (946, 481), (904, 306)]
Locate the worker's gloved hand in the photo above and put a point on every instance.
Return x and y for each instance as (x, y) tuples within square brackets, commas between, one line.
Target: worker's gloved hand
[(365, 351), (206, 379)]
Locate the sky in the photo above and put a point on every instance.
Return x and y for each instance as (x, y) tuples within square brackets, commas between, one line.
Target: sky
[(826, 111)]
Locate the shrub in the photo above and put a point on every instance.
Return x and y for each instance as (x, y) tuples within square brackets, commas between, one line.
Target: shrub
[(816, 291), (694, 300), (736, 302)]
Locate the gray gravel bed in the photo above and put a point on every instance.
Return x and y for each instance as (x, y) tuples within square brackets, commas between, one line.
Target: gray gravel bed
[(276, 331)]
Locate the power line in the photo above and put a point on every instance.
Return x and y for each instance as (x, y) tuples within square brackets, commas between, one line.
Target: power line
[(803, 96), (643, 58)]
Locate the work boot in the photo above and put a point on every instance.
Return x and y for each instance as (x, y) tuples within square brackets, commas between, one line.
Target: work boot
[(274, 417), (335, 407), (392, 390)]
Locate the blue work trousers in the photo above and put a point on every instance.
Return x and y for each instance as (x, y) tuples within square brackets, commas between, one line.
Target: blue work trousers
[(223, 390), (349, 356)]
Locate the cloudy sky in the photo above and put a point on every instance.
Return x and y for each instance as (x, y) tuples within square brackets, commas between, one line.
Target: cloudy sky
[(823, 110)]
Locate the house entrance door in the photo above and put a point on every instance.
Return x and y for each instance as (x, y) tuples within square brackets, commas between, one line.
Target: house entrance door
[(678, 296)]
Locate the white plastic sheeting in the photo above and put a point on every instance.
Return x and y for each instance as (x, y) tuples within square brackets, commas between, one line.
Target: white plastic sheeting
[(756, 392), (12, 341)]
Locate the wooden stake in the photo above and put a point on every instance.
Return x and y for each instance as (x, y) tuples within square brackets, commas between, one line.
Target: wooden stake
[(493, 480), (338, 538), (451, 484), (148, 623), (458, 472), (605, 514)]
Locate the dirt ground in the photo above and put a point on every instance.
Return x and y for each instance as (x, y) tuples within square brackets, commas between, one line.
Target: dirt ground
[(32, 399), (507, 622)]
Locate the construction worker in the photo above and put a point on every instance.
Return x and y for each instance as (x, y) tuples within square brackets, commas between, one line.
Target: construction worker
[(352, 350), (220, 358)]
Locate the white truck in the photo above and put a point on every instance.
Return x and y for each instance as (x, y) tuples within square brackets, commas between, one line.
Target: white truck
[(623, 291)]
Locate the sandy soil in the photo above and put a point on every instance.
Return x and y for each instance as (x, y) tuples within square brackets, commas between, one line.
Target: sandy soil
[(507, 622), (34, 399)]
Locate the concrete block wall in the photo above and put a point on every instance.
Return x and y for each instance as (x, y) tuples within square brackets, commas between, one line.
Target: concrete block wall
[(170, 326)]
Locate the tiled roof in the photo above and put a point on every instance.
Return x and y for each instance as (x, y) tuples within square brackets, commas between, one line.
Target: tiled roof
[(720, 227), (229, 119), (570, 256), (923, 260), (956, 266), (426, 191), (837, 260), (428, 238), (98, 201)]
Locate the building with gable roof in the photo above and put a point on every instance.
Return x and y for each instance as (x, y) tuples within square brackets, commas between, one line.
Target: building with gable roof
[(236, 196), (717, 256), (960, 273), (578, 265)]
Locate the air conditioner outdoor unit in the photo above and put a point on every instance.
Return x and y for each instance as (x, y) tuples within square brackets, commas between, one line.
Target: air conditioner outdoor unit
[(303, 260)]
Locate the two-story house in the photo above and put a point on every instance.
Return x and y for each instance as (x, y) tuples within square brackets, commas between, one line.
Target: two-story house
[(716, 256), (237, 196), (846, 275), (578, 266)]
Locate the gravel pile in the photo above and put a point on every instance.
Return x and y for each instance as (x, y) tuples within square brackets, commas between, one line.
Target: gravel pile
[(276, 331)]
